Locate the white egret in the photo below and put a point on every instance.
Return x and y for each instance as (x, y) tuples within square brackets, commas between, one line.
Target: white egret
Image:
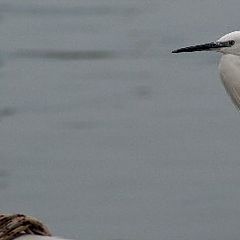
[(229, 65)]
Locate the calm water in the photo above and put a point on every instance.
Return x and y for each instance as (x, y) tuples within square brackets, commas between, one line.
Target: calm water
[(106, 135)]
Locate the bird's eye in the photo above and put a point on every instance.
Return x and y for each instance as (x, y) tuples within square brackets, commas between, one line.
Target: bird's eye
[(231, 43)]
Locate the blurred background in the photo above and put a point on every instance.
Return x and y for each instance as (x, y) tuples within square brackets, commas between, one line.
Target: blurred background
[(104, 134)]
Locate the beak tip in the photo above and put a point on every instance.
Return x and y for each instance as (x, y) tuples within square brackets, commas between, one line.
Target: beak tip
[(175, 51)]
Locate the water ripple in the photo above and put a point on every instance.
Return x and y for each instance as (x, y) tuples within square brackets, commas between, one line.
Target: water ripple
[(76, 10), (66, 54)]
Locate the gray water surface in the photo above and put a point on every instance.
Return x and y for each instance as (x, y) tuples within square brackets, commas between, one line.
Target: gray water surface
[(105, 135)]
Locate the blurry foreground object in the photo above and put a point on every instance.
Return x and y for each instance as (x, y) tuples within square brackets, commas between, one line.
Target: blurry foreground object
[(23, 227)]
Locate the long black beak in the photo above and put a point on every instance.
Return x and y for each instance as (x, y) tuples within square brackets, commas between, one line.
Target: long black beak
[(203, 47)]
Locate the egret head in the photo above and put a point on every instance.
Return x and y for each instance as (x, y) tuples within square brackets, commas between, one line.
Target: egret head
[(228, 44)]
